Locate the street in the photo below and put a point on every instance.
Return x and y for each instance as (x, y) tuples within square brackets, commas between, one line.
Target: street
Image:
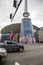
[(28, 57)]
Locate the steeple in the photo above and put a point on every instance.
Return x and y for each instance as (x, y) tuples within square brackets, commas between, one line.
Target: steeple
[(26, 14)]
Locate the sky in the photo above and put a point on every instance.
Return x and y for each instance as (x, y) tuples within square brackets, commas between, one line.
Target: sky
[(35, 8)]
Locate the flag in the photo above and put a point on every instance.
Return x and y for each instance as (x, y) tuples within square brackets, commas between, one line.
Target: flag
[(11, 16)]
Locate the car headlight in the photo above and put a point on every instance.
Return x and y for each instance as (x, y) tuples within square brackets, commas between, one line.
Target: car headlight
[(4, 53)]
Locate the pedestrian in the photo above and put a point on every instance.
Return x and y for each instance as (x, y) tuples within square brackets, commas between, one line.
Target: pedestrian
[(11, 36)]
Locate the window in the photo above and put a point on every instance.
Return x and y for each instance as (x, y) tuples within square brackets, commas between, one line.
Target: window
[(9, 43), (27, 25)]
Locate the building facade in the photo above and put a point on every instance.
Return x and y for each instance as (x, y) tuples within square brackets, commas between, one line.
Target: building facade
[(40, 35), (26, 32), (16, 30)]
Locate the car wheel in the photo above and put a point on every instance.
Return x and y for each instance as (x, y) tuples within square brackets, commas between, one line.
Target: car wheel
[(21, 49)]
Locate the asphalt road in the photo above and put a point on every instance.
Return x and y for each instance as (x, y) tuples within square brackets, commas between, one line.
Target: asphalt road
[(28, 57)]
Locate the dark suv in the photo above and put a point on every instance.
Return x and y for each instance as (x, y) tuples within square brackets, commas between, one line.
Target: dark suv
[(13, 46)]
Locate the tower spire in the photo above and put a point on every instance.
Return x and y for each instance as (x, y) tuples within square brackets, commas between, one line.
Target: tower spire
[(26, 14), (26, 6)]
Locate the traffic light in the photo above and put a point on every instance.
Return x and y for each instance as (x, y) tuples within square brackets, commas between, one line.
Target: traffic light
[(15, 3), (11, 16), (16, 6)]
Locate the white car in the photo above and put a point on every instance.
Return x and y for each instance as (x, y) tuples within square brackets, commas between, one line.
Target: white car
[(3, 54)]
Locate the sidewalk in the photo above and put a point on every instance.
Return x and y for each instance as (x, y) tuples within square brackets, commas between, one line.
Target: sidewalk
[(33, 46)]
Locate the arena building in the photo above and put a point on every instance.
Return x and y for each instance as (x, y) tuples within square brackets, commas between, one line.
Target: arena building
[(16, 30)]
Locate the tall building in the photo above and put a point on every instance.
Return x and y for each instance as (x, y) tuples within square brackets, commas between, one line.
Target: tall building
[(26, 32)]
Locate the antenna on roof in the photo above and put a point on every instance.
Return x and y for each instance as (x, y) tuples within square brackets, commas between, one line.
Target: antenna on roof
[(26, 14)]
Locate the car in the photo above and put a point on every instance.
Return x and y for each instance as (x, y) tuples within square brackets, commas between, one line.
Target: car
[(3, 54), (13, 46)]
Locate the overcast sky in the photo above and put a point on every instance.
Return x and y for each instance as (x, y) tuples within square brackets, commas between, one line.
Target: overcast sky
[(35, 8)]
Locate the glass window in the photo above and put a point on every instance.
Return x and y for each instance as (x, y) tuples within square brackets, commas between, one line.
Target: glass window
[(27, 25), (9, 43), (27, 32)]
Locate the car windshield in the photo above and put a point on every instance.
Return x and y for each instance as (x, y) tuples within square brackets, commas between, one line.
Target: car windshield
[(11, 42)]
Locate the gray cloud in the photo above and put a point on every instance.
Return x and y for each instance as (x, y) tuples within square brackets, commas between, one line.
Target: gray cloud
[(35, 7)]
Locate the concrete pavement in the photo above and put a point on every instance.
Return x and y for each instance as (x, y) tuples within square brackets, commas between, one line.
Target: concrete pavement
[(33, 55), (33, 46)]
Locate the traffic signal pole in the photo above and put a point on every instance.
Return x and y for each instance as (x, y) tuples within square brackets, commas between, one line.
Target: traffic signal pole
[(16, 10)]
